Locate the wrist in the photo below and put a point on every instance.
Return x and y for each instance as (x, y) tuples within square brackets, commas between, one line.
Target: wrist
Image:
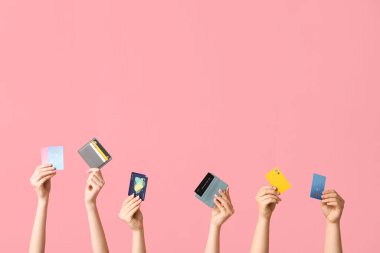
[(138, 232), (332, 223), (264, 219), (215, 227), (43, 200), (90, 204)]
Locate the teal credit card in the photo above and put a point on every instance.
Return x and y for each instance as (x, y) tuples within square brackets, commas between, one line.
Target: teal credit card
[(208, 188)]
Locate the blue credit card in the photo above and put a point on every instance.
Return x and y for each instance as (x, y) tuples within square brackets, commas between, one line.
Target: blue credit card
[(137, 185), (53, 155), (318, 186), (209, 187)]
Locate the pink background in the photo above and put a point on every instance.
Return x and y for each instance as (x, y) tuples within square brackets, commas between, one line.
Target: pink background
[(174, 89)]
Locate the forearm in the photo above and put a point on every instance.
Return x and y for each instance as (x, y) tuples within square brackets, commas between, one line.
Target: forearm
[(333, 241), (138, 241), (213, 241), (37, 241), (260, 242), (98, 238)]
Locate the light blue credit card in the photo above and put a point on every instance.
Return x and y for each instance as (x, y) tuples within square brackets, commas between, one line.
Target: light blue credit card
[(318, 186), (209, 187), (53, 155)]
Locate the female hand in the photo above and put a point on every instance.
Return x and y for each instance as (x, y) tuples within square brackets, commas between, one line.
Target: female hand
[(40, 180), (267, 198), (223, 208), (130, 213), (332, 206), (95, 183)]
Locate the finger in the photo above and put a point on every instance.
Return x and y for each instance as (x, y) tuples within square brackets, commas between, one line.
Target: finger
[(95, 184), (42, 181), (223, 194), (92, 170), (89, 180), (133, 211), (329, 195), (132, 201), (269, 201), (330, 199), (127, 208), (267, 192), (267, 187), (340, 197), (328, 191), (218, 205), (99, 178), (121, 214), (222, 201), (98, 181), (37, 173), (41, 166), (332, 203), (270, 197), (228, 194), (44, 169), (137, 203), (128, 199), (50, 168), (94, 175), (277, 199), (98, 174), (44, 174), (229, 208)]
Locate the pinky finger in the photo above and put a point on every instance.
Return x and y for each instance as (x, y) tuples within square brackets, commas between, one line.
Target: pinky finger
[(228, 193), (270, 201), (334, 203), (133, 210), (43, 180), (217, 204)]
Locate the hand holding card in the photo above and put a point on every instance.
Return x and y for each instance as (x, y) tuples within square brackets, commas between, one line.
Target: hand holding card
[(130, 213), (267, 198), (223, 209), (95, 183), (332, 206), (41, 180)]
